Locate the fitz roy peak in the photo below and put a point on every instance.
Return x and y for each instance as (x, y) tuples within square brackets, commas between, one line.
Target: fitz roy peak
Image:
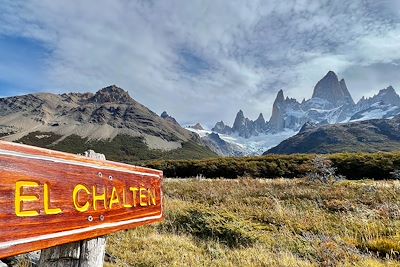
[(333, 91), (331, 103)]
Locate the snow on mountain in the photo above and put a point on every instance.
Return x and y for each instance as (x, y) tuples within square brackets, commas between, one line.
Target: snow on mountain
[(254, 145), (376, 111), (331, 103)]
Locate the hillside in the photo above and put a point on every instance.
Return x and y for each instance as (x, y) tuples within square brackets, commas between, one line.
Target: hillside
[(362, 136), (109, 121)]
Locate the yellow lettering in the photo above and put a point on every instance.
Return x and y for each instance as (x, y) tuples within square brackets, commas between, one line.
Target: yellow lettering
[(134, 191), (151, 196), (114, 197), (78, 188), (142, 196), (125, 200), (101, 197), (47, 209), (19, 199)]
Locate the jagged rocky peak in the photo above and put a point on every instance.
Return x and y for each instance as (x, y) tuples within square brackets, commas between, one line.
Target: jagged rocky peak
[(259, 123), (279, 97), (329, 88), (240, 121), (388, 93), (112, 94), (197, 126), (276, 120), (221, 128), (386, 96), (347, 95), (260, 119)]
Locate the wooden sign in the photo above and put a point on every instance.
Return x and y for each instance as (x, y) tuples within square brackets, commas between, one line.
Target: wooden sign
[(49, 198)]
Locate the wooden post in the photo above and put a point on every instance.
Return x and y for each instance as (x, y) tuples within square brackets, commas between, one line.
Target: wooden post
[(86, 253)]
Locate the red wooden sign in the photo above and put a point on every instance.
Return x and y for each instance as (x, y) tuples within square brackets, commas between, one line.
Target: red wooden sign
[(49, 198)]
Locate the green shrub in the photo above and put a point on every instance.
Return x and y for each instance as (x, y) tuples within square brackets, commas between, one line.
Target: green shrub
[(350, 165)]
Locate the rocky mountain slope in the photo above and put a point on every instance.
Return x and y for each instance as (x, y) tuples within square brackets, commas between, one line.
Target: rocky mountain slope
[(109, 120), (362, 136)]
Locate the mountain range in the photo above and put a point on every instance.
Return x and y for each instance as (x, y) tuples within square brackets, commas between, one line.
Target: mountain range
[(109, 121), (331, 103)]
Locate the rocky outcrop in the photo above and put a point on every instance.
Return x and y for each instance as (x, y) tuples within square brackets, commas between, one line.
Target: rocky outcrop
[(111, 94), (221, 128), (242, 126), (169, 118)]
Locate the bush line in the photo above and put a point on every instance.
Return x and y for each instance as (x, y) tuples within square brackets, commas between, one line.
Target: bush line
[(351, 165)]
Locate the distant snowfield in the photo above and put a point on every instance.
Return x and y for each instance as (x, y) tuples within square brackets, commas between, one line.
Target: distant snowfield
[(255, 145), (376, 113)]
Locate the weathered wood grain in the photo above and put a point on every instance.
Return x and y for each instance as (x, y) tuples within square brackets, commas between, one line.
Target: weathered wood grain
[(61, 173)]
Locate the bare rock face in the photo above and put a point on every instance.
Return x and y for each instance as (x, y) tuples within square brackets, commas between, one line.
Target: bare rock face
[(243, 126), (277, 120), (112, 94), (329, 88), (93, 155), (221, 128), (286, 113), (240, 121), (259, 123)]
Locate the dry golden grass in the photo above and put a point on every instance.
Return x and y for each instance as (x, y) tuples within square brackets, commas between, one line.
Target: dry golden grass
[(281, 222)]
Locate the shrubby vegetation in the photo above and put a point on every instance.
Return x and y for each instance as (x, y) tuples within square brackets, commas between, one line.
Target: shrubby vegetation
[(349, 165), (128, 149), (123, 148)]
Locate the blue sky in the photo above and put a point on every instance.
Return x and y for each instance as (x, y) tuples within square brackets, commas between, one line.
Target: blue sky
[(201, 60)]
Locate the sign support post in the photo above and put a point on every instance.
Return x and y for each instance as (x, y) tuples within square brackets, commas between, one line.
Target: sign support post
[(86, 253)]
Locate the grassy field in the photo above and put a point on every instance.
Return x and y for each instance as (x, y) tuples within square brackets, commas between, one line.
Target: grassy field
[(280, 222)]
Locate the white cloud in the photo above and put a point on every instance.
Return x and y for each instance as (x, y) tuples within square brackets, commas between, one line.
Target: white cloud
[(245, 51)]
